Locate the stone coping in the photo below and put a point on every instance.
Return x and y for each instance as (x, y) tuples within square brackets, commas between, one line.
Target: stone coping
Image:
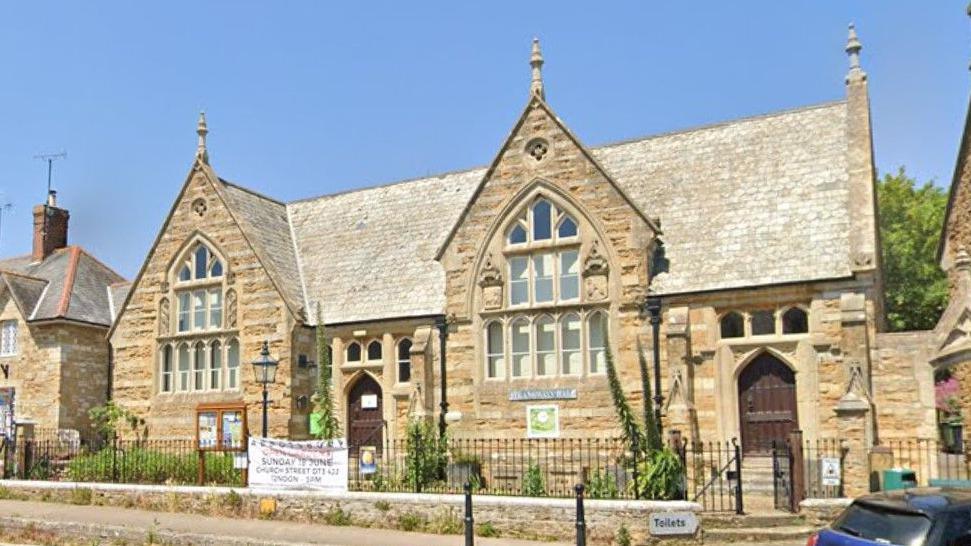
[(841, 502), (487, 500)]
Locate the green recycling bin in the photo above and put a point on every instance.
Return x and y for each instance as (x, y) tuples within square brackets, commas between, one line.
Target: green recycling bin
[(899, 478)]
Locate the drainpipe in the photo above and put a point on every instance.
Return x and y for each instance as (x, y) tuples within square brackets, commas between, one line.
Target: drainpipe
[(654, 309), (442, 324)]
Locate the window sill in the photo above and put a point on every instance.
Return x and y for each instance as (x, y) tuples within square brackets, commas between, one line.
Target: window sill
[(760, 339), (198, 334), (367, 365), (547, 307), (188, 394)]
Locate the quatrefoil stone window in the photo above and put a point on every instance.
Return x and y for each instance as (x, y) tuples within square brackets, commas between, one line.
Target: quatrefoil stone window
[(537, 149), (199, 206)]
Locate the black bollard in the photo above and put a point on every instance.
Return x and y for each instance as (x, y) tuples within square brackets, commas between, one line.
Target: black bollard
[(581, 523), (469, 523)]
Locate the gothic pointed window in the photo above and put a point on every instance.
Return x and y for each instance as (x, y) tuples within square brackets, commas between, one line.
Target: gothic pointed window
[(732, 325), (795, 321), (354, 352), (197, 285), (543, 330), (374, 350), (404, 360)]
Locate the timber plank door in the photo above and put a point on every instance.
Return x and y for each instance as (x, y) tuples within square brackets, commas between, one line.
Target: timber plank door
[(365, 418), (766, 404)]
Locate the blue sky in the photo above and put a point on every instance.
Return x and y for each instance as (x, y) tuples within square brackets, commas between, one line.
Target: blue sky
[(309, 98)]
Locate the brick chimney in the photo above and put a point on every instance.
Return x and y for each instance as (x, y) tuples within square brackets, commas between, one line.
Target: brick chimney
[(50, 228)]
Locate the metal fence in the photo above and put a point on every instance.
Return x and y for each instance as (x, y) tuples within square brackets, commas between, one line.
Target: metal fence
[(710, 474), (815, 454), (930, 459), (118, 461)]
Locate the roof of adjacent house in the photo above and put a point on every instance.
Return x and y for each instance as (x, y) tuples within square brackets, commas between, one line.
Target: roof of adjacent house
[(756, 201), (69, 284)]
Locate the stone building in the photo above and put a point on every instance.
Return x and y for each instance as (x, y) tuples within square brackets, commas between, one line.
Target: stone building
[(56, 305), (491, 307)]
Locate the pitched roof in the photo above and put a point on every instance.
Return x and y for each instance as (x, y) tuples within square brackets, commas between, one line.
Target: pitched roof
[(371, 253), (264, 221), (117, 294), (756, 201), (69, 284)]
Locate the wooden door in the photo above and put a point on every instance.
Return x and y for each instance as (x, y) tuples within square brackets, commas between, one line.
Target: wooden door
[(365, 421), (767, 404)]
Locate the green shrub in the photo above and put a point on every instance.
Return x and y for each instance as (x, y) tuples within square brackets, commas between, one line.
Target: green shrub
[(142, 465), (533, 484), (337, 516), (425, 454), (383, 506), (411, 521), (486, 530), (602, 485), (660, 475), (622, 538), (81, 496)]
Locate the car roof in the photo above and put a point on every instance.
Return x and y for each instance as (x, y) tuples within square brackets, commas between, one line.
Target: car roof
[(926, 500)]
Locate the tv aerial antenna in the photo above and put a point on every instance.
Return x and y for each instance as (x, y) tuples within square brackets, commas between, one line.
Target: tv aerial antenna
[(50, 159)]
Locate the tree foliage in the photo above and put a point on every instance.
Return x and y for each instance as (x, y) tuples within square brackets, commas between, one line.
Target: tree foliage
[(330, 427), (911, 218)]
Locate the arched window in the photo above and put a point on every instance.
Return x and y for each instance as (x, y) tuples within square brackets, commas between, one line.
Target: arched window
[(732, 325), (542, 220), (199, 264), (404, 360), (795, 321), (166, 384), (354, 352), (374, 350), (232, 365), (597, 342), (184, 367), (198, 291), (519, 335), (199, 367), (763, 323), (548, 274), (545, 346), (495, 351), (571, 359), (215, 365)]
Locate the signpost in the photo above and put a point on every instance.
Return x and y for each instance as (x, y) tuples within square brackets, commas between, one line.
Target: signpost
[(672, 523), (831, 472)]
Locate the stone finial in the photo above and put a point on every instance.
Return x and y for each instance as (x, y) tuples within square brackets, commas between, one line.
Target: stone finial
[(853, 47), (202, 130), (536, 62), (962, 261)]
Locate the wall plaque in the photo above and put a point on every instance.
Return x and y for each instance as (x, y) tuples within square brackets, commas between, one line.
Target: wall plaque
[(521, 395), (672, 523)]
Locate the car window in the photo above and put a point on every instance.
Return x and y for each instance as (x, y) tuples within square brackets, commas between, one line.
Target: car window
[(958, 523), (882, 525)]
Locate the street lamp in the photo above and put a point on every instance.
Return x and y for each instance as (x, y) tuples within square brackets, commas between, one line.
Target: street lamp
[(264, 368)]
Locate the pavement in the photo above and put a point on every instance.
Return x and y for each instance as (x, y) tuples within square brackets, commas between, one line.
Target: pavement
[(136, 526)]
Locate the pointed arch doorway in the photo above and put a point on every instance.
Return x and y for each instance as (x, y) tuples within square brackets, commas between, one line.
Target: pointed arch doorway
[(766, 404), (365, 417)]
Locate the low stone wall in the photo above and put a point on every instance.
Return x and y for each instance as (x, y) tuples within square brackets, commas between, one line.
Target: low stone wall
[(517, 517), (820, 512)]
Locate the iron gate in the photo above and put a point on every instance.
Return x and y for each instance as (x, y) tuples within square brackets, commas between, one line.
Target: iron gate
[(782, 475)]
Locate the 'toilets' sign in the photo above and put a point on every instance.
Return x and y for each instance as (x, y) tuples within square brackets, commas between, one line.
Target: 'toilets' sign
[(672, 523)]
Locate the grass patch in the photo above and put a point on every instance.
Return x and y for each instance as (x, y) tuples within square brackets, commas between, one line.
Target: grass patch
[(81, 496), (446, 522), (486, 530), (337, 516), (412, 521), (382, 505)]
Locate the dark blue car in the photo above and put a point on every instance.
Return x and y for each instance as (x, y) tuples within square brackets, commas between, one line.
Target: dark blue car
[(912, 517)]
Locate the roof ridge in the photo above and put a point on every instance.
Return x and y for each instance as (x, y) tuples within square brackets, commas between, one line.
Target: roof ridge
[(388, 184), (98, 261), (714, 125), (592, 149), (251, 191), (69, 277)]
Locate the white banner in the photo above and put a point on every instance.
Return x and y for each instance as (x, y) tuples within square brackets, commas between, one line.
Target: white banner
[(282, 464)]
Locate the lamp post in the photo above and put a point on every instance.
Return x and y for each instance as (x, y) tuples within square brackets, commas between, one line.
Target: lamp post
[(264, 368), (654, 310)]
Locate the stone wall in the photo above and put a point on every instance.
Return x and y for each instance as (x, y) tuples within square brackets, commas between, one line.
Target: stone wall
[(261, 314), (84, 373), (519, 517), (562, 173), (34, 372), (903, 386)]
